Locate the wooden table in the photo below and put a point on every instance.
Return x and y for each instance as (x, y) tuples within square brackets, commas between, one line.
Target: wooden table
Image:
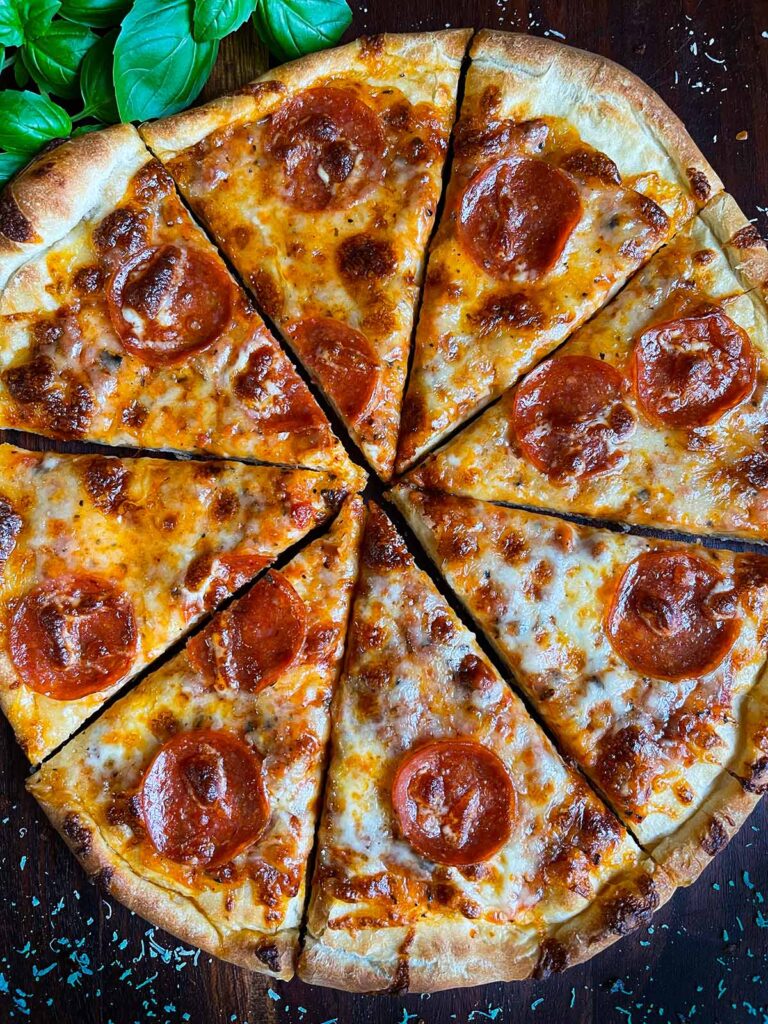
[(69, 956)]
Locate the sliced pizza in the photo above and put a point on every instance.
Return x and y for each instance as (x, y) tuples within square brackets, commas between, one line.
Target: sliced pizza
[(643, 657), (656, 411), (193, 799), (568, 173), (320, 181), (456, 847), (105, 562), (120, 323)]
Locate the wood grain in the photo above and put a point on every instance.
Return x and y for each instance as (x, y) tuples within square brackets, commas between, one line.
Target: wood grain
[(67, 955)]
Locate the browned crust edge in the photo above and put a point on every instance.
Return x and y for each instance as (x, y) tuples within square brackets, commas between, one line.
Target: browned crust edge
[(535, 56), (60, 188), (171, 135), (741, 241), (272, 954)]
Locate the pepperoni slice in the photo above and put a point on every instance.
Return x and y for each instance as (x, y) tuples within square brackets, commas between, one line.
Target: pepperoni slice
[(672, 616), (690, 371), (73, 636), (331, 146), (454, 801), (343, 361), (257, 639), (569, 416), (169, 302), (203, 798), (516, 215), (275, 395)]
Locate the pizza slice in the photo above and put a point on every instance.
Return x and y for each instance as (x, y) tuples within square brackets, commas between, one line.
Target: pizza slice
[(456, 847), (568, 173), (644, 658), (320, 181), (105, 562), (656, 411), (120, 322), (193, 799)]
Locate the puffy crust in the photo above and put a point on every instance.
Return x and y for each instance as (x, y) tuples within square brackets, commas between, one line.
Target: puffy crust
[(62, 187), (689, 849), (740, 240), (596, 75), (272, 954), (171, 135), (431, 958)]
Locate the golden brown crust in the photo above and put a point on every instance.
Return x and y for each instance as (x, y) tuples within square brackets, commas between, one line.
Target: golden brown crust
[(257, 99), (62, 187), (740, 240), (601, 77), (172, 911)]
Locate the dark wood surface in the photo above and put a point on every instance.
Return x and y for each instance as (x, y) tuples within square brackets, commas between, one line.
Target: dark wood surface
[(69, 956)]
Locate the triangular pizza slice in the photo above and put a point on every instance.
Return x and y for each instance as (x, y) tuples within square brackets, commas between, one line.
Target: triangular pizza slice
[(193, 799), (320, 181), (655, 412), (105, 562), (120, 322), (645, 659), (456, 846), (568, 173)]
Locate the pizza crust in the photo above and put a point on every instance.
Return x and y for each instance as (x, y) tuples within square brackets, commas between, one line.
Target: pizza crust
[(740, 240), (272, 954), (626, 104), (62, 187), (171, 135)]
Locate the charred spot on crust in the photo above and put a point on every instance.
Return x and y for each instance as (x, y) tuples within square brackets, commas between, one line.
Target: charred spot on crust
[(13, 224), (268, 953), (371, 46), (628, 909), (78, 834), (365, 258), (105, 481), (553, 958), (757, 779), (699, 183), (506, 311), (746, 237), (382, 547), (10, 527), (715, 838), (103, 879), (260, 89)]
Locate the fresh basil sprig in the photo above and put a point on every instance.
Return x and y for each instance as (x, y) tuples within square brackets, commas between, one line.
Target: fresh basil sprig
[(130, 59)]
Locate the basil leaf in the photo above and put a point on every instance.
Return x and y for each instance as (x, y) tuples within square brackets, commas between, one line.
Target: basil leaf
[(11, 25), (84, 129), (291, 28), (22, 19), (96, 85), (96, 13), (28, 120), (159, 66), (20, 74), (215, 19), (53, 58), (9, 164)]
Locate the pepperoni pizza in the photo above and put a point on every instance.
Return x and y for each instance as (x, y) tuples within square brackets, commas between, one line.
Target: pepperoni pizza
[(655, 412), (645, 684), (119, 321), (568, 173), (320, 181), (456, 847), (193, 799), (105, 562)]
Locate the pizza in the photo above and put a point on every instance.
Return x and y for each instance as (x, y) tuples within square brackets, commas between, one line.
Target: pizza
[(105, 562), (641, 656), (568, 173), (193, 799), (120, 322), (320, 181), (656, 411), (456, 846), (318, 768)]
